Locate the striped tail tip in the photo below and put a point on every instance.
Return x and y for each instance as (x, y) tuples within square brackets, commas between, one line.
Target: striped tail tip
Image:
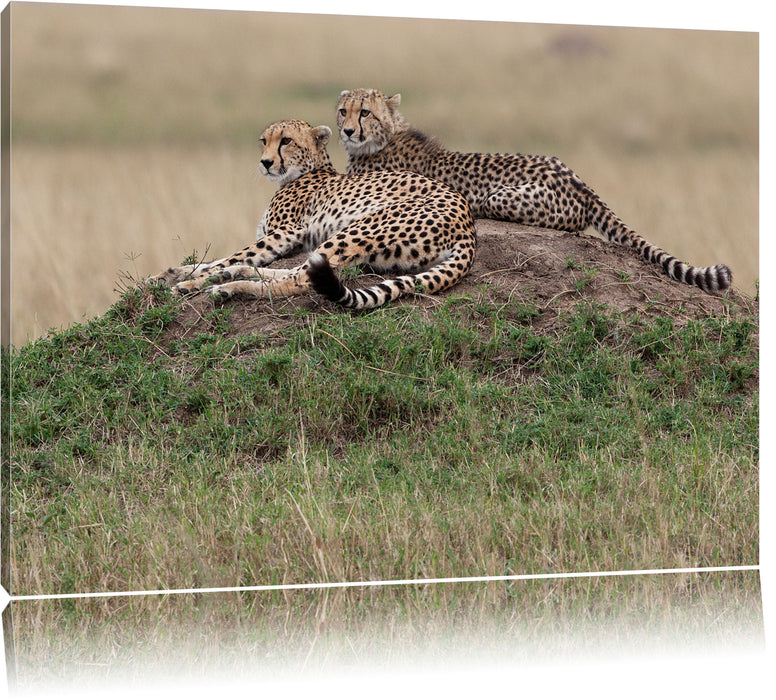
[(714, 279)]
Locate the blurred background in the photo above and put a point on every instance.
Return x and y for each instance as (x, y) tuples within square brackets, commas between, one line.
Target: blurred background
[(135, 130)]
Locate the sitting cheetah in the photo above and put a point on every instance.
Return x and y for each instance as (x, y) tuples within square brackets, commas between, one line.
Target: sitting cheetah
[(532, 190), (389, 221)]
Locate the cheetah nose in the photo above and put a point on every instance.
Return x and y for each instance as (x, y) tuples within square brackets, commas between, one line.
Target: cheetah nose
[(267, 163), (348, 132)]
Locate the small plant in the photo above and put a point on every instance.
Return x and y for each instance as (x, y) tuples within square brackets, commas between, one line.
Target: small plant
[(589, 273), (218, 319), (197, 400), (192, 258), (350, 273), (525, 312)]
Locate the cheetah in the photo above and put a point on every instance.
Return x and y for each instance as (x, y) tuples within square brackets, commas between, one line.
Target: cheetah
[(526, 189), (397, 222)]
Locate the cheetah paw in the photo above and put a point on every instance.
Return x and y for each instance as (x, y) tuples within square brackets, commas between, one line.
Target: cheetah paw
[(219, 292), (167, 278), (172, 275), (187, 287)]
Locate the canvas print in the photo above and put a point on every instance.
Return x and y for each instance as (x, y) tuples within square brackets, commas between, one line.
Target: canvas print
[(395, 340)]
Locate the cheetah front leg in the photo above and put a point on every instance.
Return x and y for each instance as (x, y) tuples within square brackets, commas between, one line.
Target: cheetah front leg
[(265, 284), (340, 250), (227, 274), (272, 245)]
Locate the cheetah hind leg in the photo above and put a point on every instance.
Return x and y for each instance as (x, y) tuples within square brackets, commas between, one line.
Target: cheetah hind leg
[(505, 204), (298, 281), (532, 205), (173, 275)]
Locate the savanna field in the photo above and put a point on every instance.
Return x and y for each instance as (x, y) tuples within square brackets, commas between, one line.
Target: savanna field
[(567, 409)]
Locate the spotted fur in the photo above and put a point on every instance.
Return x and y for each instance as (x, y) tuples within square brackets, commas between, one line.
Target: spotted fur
[(532, 190), (397, 222)]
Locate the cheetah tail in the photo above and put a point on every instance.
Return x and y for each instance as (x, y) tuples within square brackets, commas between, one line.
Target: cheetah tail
[(444, 274), (325, 281), (715, 278), (323, 278)]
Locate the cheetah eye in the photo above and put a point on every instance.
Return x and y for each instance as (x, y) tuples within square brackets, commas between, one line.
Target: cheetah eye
[(285, 141), (263, 141), (365, 112), (343, 111)]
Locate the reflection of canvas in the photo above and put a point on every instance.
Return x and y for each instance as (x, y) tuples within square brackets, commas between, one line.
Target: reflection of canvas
[(445, 628)]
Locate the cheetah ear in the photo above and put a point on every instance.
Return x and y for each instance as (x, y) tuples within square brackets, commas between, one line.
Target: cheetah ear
[(321, 134), (394, 101), (344, 94)]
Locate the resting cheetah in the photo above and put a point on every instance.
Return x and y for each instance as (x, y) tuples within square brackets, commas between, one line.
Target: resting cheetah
[(389, 221), (533, 190)]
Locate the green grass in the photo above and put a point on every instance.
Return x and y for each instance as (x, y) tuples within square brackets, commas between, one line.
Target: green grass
[(388, 445)]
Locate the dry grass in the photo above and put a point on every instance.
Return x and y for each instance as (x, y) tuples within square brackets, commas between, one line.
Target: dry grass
[(146, 208), (228, 522), (117, 150)]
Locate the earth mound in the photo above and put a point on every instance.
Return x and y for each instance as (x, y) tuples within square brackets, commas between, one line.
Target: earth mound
[(551, 270)]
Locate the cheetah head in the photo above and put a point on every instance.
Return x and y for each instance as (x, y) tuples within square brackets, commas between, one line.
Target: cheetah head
[(367, 120), (293, 148)]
